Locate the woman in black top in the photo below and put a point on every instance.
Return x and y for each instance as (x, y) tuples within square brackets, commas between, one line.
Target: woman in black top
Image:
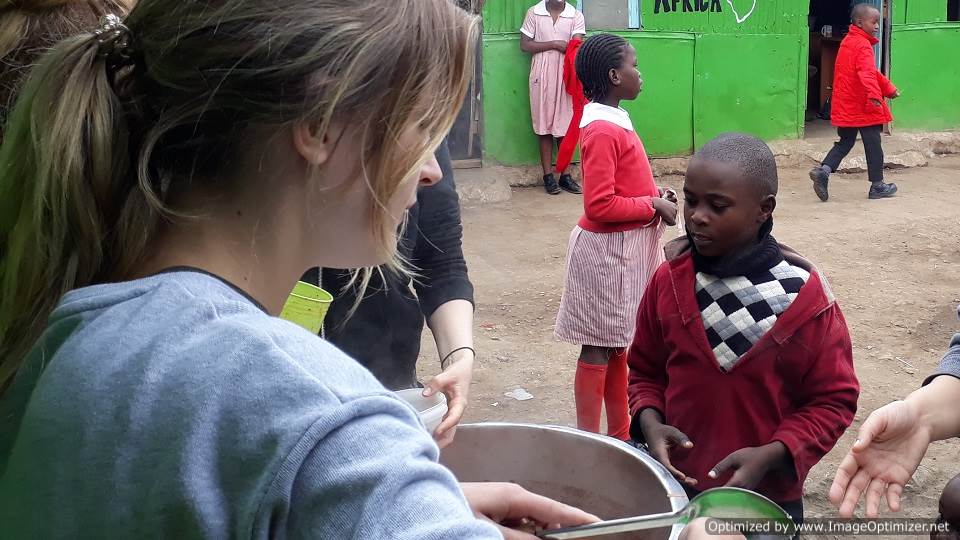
[(384, 332)]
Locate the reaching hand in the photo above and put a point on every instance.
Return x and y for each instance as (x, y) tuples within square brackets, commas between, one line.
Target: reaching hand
[(661, 438), (890, 445), (896, 94), (454, 383), (510, 507), (750, 465)]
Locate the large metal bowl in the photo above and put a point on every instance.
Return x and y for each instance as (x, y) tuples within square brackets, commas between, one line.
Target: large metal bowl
[(599, 474)]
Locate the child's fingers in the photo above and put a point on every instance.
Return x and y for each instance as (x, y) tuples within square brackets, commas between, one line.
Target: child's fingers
[(730, 462), (679, 438), (660, 452)]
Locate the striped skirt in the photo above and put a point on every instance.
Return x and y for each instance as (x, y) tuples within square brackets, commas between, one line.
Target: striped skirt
[(606, 276)]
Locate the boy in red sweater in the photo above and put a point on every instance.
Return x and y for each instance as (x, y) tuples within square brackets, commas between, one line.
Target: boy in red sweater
[(858, 104), (741, 369)]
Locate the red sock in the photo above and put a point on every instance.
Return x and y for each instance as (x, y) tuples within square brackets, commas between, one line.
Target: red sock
[(615, 396), (588, 394)]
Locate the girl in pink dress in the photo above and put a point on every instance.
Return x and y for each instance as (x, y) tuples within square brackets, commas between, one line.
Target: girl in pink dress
[(546, 30)]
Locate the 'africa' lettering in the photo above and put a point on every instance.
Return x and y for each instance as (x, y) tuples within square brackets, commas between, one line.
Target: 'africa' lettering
[(688, 6)]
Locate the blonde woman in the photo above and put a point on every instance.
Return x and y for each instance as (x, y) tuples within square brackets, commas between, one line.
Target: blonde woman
[(165, 181)]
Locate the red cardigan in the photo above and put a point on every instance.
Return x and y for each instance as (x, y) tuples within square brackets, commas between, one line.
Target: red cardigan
[(856, 81), (796, 385), (618, 186)]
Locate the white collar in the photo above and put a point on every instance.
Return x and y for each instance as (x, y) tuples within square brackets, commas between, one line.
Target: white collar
[(598, 111), (541, 9)]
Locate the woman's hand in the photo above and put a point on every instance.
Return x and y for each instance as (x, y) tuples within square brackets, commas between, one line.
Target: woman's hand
[(519, 513), (890, 445), (454, 383)]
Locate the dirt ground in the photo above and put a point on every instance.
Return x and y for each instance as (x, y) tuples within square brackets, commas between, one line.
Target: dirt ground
[(894, 265)]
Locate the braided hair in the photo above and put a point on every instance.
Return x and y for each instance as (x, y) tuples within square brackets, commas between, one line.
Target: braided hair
[(596, 57)]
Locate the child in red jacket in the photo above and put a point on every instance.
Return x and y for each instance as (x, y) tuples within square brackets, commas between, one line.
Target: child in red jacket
[(858, 104), (741, 368)]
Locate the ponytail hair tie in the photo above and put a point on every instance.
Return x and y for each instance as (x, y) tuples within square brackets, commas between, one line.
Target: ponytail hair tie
[(115, 43)]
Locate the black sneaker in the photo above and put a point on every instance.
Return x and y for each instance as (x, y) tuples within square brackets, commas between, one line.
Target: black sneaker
[(550, 184), (820, 178), (568, 184), (882, 191)]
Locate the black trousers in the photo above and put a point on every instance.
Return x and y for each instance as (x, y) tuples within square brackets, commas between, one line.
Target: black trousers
[(871, 145)]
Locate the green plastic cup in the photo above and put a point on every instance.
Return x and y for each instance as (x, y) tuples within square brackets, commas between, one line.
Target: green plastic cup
[(307, 306)]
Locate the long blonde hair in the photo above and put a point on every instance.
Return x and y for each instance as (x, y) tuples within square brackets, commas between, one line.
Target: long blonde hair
[(96, 148)]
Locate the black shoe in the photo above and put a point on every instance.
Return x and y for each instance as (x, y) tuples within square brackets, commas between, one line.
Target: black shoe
[(820, 178), (550, 184), (882, 191), (568, 184)]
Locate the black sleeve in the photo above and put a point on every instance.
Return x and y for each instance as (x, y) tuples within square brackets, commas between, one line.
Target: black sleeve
[(438, 253)]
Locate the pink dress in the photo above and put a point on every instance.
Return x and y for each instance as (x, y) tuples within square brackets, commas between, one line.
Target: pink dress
[(551, 108)]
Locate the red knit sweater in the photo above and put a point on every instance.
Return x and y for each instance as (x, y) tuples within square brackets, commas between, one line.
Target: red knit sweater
[(618, 186), (796, 385)]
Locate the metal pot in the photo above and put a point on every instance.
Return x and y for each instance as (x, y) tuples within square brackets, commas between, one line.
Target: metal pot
[(599, 474)]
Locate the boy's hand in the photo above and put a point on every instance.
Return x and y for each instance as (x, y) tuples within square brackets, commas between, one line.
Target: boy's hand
[(661, 438), (750, 465), (895, 95), (666, 210)]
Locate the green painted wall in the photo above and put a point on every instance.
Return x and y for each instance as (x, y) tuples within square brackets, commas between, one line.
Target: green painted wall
[(899, 12), (704, 73), (928, 82), (747, 83), (760, 17), (924, 11), (663, 114)]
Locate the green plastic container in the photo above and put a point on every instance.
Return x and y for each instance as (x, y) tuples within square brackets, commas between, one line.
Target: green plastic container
[(307, 306)]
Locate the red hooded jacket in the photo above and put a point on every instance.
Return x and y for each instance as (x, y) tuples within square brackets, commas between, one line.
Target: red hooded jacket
[(796, 385), (856, 81)]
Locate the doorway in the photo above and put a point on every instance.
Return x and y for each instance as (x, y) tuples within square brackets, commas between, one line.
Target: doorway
[(828, 23)]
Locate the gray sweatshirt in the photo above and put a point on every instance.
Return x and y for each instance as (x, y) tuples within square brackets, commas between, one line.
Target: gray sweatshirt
[(173, 406)]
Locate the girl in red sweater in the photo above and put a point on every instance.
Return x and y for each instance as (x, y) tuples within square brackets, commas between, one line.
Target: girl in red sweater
[(616, 246)]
